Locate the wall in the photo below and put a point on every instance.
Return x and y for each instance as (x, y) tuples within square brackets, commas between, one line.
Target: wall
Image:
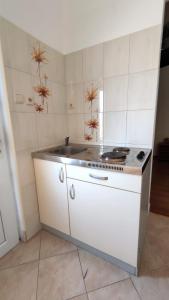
[(32, 130), (125, 71), (162, 124)]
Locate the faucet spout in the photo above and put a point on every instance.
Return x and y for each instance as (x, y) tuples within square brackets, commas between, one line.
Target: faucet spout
[(67, 141)]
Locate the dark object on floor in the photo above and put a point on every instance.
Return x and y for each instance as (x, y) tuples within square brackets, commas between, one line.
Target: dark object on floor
[(163, 150), (159, 198)]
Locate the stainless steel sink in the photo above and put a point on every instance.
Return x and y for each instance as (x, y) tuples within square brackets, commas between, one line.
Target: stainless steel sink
[(67, 150)]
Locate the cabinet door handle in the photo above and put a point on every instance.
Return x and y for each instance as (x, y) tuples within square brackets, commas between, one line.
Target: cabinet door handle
[(99, 177), (72, 192), (61, 175)]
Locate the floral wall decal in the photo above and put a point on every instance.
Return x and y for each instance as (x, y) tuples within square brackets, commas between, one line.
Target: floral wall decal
[(92, 124), (39, 57)]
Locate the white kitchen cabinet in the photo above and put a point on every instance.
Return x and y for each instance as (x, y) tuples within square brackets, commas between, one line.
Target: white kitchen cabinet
[(52, 194), (105, 218)]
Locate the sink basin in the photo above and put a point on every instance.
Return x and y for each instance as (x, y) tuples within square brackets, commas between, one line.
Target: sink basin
[(67, 150)]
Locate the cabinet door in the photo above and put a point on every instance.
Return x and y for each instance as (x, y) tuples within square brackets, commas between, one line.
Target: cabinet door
[(105, 218), (52, 194)]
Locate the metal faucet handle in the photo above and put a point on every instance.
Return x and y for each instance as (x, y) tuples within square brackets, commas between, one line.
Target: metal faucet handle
[(67, 141)]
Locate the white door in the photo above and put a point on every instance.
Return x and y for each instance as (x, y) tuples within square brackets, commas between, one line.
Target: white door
[(52, 194), (105, 218), (8, 223)]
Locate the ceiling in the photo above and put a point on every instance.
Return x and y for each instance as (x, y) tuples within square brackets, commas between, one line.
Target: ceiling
[(70, 25)]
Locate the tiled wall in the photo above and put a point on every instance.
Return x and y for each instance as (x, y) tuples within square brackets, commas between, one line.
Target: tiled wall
[(126, 72), (32, 130)]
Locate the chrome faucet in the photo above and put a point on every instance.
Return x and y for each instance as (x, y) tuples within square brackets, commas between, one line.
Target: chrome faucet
[(67, 141)]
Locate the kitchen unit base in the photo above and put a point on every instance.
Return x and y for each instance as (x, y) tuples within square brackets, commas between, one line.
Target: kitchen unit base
[(126, 267)]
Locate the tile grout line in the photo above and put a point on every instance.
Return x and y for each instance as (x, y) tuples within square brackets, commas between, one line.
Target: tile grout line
[(38, 266), (35, 260), (56, 255), (107, 285), (136, 289), (75, 297), (19, 265), (82, 274)]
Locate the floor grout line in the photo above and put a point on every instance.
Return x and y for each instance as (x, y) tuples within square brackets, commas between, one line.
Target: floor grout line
[(82, 274), (84, 294), (135, 289), (38, 265), (107, 285), (37, 281), (56, 255), (19, 265)]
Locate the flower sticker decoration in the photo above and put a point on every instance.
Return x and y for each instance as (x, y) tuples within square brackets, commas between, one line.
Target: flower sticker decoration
[(39, 57), (88, 137), (92, 124), (91, 94)]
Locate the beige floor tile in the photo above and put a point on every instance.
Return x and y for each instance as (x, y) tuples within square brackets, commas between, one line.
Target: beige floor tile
[(156, 246), (98, 272), (123, 290), (153, 285), (22, 253), (19, 283), (52, 245), (60, 277), (157, 221), (151, 259)]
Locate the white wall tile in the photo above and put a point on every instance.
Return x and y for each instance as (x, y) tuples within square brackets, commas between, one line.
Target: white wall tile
[(24, 127), (61, 128), (30, 206), (19, 83), (115, 93), (145, 49), (57, 102), (25, 166), (75, 98), (17, 54), (97, 104), (142, 90), (140, 127), (46, 128), (97, 134), (49, 68), (38, 99), (116, 57), (60, 68), (114, 127), (93, 63), (53, 67), (76, 127), (74, 67)]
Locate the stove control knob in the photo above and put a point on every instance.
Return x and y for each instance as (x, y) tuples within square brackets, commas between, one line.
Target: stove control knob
[(140, 155)]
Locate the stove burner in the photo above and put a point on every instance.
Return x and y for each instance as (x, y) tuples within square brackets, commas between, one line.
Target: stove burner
[(122, 149), (114, 157)]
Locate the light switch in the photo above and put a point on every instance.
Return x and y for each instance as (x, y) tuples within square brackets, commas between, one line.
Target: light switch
[(19, 99)]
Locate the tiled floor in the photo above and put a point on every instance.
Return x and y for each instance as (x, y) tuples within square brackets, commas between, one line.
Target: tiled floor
[(49, 268)]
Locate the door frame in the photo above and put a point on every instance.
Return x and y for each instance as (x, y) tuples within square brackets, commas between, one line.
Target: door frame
[(10, 146)]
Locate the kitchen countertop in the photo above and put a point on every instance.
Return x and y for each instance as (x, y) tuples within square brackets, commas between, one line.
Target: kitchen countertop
[(91, 158)]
